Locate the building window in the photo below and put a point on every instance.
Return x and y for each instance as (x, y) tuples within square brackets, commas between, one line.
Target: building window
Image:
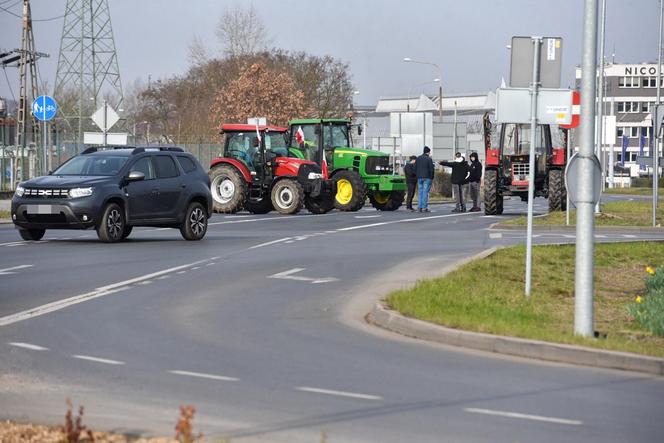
[(649, 82), (620, 130), (645, 131), (632, 156), (629, 82), (645, 107), (634, 132), (621, 107)]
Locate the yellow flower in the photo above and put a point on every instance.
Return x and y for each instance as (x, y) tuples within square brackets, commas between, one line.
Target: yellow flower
[(638, 299), (650, 270)]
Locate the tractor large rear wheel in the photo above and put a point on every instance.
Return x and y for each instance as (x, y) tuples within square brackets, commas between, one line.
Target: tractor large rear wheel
[(493, 200), (557, 192), (351, 191), (386, 201), (287, 196), (229, 190)]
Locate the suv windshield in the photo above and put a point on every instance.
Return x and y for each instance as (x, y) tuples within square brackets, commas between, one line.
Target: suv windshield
[(104, 165)]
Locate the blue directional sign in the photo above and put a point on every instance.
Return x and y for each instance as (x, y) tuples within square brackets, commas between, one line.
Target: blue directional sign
[(44, 108)]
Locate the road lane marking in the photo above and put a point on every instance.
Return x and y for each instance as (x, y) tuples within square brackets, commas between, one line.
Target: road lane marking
[(8, 271), (288, 275), (339, 393), (273, 242), (562, 421), (405, 220), (250, 220), (98, 292), (203, 375), (367, 216), (28, 346), (98, 359), (495, 235)]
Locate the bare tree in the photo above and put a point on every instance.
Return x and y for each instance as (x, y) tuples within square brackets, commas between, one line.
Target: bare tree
[(197, 53), (241, 31)]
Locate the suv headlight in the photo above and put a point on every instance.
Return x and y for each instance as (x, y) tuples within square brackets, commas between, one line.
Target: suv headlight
[(80, 192), (314, 176), (20, 190)]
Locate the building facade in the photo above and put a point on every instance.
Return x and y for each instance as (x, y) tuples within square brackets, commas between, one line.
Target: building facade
[(630, 92)]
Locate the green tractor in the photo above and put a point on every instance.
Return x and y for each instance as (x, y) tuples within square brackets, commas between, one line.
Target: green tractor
[(358, 173)]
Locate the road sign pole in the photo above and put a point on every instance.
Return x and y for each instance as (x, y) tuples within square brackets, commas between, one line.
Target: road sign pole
[(568, 147), (655, 154), (105, 128), (537, 43), (583, 288)]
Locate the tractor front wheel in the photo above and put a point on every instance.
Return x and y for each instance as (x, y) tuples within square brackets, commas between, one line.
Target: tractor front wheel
[(229, 189), (387, 201), (493, 200), (557, 192), (287, 196), (351, 191)]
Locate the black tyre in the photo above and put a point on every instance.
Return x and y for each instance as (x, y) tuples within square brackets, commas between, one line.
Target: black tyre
[(287, 196), (262, 206), (229, 190), (127, 231), (195, 223), (351, 191), (32, 234), (493, 200), (557, 191), (320, 205), (387, 201), (112, 224)]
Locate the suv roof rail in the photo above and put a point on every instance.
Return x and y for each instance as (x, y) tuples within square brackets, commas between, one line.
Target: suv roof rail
[(171, 148), (137, 151), (89, 150)]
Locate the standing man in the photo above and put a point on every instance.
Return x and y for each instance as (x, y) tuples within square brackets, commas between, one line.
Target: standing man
[(424, 170), (474, 180), (411, 181), (460, 174)]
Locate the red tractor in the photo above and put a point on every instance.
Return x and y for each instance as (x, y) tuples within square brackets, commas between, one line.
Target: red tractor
[(255, 173), (506, 169)]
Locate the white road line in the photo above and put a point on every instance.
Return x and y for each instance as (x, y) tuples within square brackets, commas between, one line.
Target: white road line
[(367, 216), (13, 243), (202, 375), (288, 275), (562, 421), (495, 235), (282, 217), (195, 268), (28, 346), (181, 272), (99, 292), (8, 271), (406, 220), (629, 236), (273, 242), (339, 393), (98, 360)]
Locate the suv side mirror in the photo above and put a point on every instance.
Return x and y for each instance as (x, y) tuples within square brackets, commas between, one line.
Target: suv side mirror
[(135, 176)]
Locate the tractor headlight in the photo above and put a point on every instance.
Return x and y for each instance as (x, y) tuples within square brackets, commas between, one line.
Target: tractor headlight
[(20, 190), (314, 175), (80, 192)]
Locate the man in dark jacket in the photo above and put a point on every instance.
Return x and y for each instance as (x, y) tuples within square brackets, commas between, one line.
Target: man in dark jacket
[(411, 181), (460, 174), (474, 180), (424, 170)]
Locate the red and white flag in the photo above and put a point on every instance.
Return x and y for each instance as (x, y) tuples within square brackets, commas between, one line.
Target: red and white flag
[(324, 167), (258, 133), (299, 136)]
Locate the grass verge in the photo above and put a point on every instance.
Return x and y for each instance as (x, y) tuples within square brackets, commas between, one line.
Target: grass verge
[(5, 214), (628, 191), (487, 296), (618, 213)]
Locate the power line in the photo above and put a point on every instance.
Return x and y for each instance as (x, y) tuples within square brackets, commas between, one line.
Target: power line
[(6, 9), (9, 85)]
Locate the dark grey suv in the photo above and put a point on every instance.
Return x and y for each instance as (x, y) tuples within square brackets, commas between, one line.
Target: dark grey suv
[(113, 190)]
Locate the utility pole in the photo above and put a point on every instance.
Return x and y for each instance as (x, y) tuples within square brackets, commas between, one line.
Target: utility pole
[(26, 63), (583, 288), (655, 154), (600, 104)]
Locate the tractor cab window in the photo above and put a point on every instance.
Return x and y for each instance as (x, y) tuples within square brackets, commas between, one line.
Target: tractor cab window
[(245, 147), (275, 144), (335, 136), (308, 149), (516, 139)]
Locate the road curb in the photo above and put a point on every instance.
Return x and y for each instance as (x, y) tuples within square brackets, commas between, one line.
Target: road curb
[(546, 228), (393, 321)]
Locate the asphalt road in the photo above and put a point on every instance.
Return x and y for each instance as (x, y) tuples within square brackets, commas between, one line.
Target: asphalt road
[(260, 327)]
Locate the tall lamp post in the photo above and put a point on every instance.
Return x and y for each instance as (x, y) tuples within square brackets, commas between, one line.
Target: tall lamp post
[(440, 86)]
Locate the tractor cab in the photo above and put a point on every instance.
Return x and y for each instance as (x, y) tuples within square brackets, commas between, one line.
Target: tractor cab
[(312, 140), (515, 146)]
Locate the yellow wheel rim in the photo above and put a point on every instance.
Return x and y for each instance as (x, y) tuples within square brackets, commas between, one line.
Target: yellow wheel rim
[(381, 198), (344, 191)]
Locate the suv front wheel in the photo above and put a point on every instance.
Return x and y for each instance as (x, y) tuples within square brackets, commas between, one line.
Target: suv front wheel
[(195, 222), (32, 234), (111, 228)]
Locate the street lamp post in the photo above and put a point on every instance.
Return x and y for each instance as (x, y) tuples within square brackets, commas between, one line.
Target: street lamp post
[(440, 86)]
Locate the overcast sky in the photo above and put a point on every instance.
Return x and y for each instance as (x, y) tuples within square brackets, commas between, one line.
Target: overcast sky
[(466, 38)]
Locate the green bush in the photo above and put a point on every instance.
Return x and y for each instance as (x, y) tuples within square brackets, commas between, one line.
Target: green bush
[(648, 310), (442, 184), (646, 183)]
